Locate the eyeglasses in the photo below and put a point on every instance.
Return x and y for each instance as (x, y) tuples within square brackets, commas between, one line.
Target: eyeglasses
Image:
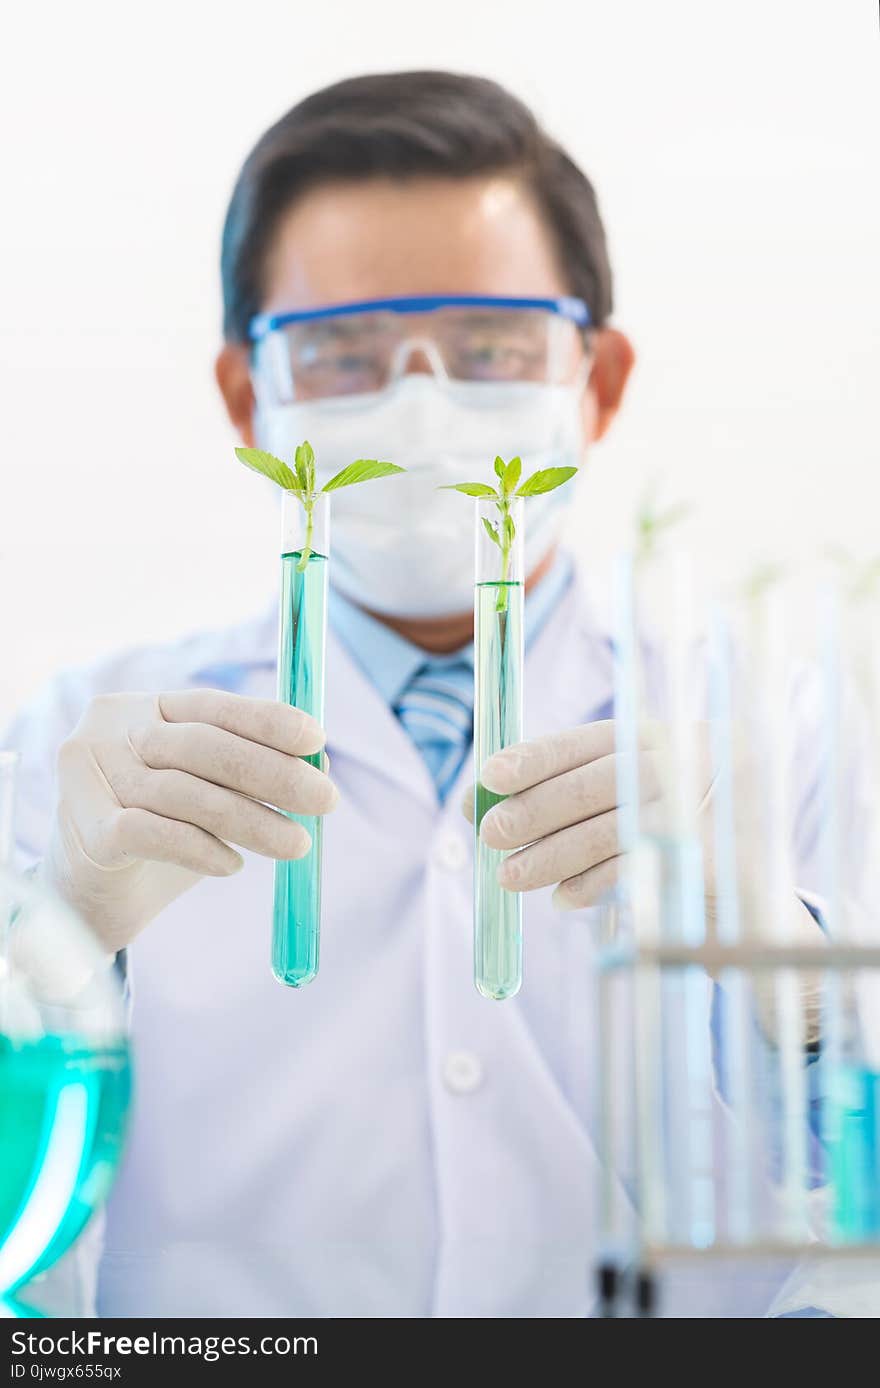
[(349, 349)]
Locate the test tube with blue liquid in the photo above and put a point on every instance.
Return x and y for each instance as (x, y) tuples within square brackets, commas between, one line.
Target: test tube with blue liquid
[(850, 664), (302, 639), (499, 596)]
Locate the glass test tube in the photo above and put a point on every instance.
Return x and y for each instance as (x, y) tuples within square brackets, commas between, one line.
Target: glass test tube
[(771, 656), (667, 622), (689, 1106), (301, 657), (639, 890), (739, 1083), (498, 663)]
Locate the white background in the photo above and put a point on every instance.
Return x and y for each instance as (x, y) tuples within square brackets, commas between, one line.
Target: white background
[(735, 149)]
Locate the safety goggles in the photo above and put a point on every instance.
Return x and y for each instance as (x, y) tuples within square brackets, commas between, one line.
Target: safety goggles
[(349, 349)]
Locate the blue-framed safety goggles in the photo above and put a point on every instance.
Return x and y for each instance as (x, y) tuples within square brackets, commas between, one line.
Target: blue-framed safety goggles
[(349, 349)]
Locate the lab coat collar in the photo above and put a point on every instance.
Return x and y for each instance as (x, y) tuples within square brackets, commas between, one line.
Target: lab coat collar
[(568, 680)]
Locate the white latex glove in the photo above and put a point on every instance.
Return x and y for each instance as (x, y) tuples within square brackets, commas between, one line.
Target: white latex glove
[(560, 812), (154, 788), (559, 823)]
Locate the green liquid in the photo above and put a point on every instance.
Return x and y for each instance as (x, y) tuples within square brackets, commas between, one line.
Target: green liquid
[(296, 921), (497, 723), (855, 1153), (63, 1106)]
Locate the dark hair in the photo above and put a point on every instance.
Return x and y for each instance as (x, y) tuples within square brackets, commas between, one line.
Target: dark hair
[(402, 125)]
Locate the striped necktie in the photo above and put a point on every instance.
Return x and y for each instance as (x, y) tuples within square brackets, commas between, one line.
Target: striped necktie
[(437, 710)]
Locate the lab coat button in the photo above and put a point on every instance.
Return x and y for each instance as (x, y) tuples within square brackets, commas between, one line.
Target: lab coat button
[(451, 852), (462, 1072)]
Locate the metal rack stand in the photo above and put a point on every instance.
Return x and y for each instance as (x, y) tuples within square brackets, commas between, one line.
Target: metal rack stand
[(629, 1272)]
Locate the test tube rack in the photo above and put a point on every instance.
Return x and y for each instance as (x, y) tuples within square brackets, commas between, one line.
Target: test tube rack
[(632, 1259)]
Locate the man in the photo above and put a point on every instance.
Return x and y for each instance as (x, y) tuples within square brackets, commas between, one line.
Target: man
[(385, 1141)]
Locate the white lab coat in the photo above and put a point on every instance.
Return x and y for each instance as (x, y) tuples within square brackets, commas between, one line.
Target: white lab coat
[(384, 1142)]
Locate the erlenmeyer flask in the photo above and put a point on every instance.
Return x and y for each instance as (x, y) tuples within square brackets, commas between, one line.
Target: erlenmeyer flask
[(65, 1078)]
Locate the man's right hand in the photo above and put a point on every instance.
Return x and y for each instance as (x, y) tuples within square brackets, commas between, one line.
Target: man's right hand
[(153, 789)]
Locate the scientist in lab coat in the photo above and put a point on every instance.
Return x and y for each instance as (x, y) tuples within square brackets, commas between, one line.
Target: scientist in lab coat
[(412, 270)]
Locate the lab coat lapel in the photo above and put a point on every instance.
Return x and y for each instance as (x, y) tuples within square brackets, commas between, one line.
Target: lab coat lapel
[(360, 725)]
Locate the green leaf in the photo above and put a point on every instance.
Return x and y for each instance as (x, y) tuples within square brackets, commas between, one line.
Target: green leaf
[(469, 488), (269, 466), (491, 531), (512, 474), (547, 480), (304, 462), (509, 530), (364, 470), (500, 467)]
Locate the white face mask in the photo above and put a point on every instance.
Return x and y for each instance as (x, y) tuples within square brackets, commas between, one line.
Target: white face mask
[(399, 546)]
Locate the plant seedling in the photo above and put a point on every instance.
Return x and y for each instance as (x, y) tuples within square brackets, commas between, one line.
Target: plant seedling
[(503, 532), (300, 479)]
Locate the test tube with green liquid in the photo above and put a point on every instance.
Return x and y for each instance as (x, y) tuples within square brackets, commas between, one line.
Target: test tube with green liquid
[(498, 698), (305, 555)]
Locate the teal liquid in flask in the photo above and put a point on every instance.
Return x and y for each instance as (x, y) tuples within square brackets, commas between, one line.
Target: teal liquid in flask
[(65, 1081)]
